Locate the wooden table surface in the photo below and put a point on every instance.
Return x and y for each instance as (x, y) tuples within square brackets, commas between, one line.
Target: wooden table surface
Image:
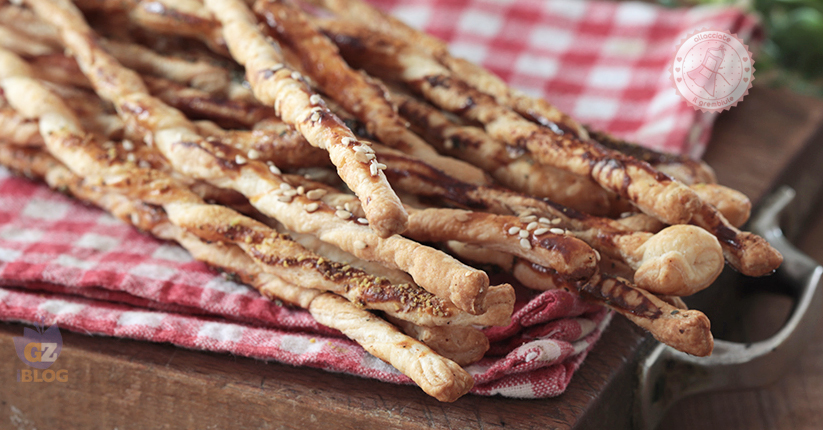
[(117, 383)]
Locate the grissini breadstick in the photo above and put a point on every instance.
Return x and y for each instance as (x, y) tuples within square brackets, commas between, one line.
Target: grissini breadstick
[(651, 191), (174, 135), (436, 375), (732, 204), (297, 105), (463, 345), (535, 109), (441, 378), (357, 93), (669, 265)]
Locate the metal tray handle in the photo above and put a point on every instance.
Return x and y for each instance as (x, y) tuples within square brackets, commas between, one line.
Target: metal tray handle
[(667, 375)]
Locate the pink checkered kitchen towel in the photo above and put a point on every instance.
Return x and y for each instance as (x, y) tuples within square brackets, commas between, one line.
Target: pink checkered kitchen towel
[(604, 63)]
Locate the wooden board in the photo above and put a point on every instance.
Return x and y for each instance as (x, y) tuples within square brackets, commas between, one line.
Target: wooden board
[(117, 383)]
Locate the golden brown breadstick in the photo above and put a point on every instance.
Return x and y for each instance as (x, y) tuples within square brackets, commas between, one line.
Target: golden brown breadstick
[(535, 109), (296, 104), (734, 205), (463, 345), (651, 191), (17, 130), (357, 93), (441, 378), (511, 167)]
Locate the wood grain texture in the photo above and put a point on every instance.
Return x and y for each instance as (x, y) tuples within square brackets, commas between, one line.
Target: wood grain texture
[(117, 383)]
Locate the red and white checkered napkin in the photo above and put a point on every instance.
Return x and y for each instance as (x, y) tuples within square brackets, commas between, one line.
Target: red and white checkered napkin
[(605, 63)]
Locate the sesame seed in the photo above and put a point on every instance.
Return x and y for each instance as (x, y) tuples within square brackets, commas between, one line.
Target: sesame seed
[(557, 230), (134, 218), (296, 75), (277, 67), (528, 218), (370, 157), (541, 231), (556, 221), (361, 157), (128, 145), (373, 169), (514, 230), (359, 148), (284, 186), (314, 99), (359, 244), (130, 158), (290, 193), (343, 214), (524, 233), (532, 225), (274, 169), (350, 206), (626, 214), (253, 154), (316, 109), (597, 254), (524, 243), (316, 194), (239, 159), (381, 166), (301, 190), (284, 199), (315, 116), (311, 207), (544, 220), (362, 220), (346, 141), (461, 217)]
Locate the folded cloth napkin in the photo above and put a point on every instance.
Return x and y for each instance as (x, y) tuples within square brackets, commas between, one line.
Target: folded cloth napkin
[(605, 63)]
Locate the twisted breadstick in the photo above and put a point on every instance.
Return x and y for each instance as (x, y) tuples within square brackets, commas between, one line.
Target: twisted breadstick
[(651, 191), (355, 91)]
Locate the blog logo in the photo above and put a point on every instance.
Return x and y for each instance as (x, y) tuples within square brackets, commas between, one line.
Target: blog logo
[(712, 70), (39, 348)]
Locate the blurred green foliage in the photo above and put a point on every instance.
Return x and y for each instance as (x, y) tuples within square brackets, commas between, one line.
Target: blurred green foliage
[(792, 54)]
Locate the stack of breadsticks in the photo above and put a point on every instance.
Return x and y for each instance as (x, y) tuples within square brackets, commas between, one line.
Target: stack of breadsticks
[(359, 171)]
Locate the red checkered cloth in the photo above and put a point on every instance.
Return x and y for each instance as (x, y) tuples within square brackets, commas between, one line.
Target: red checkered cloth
[(604, 63)]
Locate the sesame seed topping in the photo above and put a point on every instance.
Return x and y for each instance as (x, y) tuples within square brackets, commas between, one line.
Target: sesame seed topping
[(544, 220), (359, 244), (253, 154), (370, 156), (311, 207), (296, 75), (134, 218), (524, 243), (315, 116), (346, 141), (316, 194), (373, 169), (514, 230), (541, 231), (284, 199), (290, 193), (524, 233), (128, 145), (362, 221), (343, 214), (557, 230), (274, 169), (350, 206), (315, 99), (301, 190), (461, 217), (556, 221), (532, 225), (284, 186), (130, 158), (381, 166), (316, 109), (528, 218), (361, 157), (359, 148), (597, 254), (239, 159)]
